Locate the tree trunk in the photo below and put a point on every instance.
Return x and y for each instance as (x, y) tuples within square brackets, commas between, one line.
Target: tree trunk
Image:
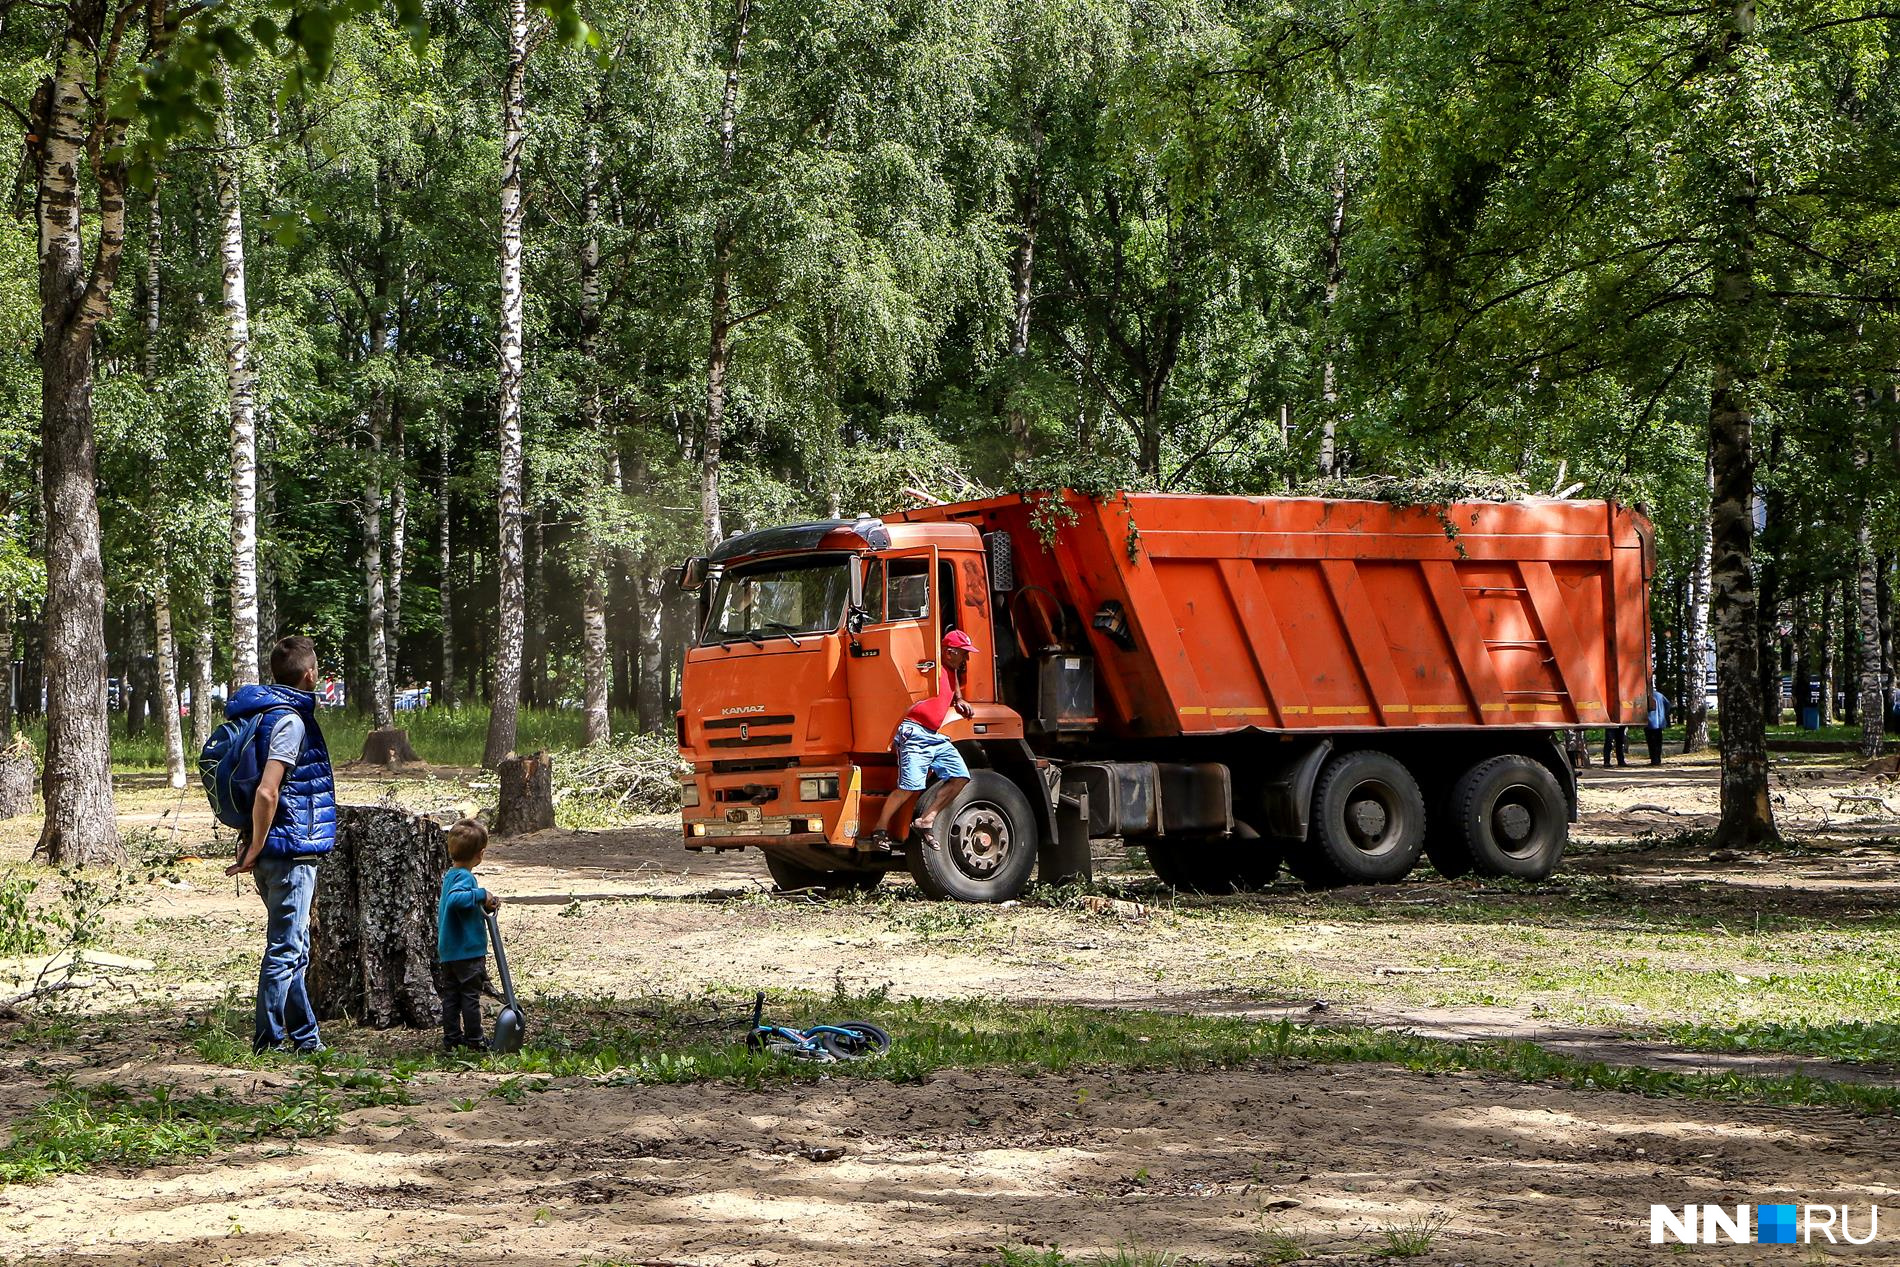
[(1335, 274), (718, 352), (444, 542), (242, 380), (203, 710), (7, 675), (535, 690), (527, 795), (18, 774), (398, 532), (372, 952), (1695, 704), (80, 827), (1748, 815), (1825, 641), (1872, 700), (594, 676), (1029, 216), (168, 680), (505, 703)]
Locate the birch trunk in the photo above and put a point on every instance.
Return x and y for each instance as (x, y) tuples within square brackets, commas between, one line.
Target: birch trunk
[(381, 708), (718, 351), (594, 681), (1335, 274), (1695, 705), (1029, 216), (1825, 679), (168, 681), (242, 381), (76, 782), (202, 708), (1748, 814), (398, 529), (1872, 703), (505, 701), (167, 645), (7, 676), (444, 541)]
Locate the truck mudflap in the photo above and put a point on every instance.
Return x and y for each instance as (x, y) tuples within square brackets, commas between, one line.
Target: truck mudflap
[(1287, 791)]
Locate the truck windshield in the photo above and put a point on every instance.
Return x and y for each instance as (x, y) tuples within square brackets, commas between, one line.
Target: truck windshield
[(781, 599)]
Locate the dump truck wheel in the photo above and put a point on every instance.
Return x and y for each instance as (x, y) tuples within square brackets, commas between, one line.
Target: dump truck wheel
[(1445, 846), (789, 875), (984, 846), (1368, 821), (1513, 817), (1237, 864)]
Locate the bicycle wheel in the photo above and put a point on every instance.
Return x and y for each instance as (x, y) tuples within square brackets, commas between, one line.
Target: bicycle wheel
[(861, 1039)]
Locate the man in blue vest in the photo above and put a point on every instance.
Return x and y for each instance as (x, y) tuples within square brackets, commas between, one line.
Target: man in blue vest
[(293, 823)]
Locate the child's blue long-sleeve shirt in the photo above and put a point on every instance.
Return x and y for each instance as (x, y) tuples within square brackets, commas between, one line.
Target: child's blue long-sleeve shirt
[(461, 926)]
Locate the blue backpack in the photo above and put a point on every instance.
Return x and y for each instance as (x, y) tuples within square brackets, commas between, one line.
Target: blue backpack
[(232, 763)]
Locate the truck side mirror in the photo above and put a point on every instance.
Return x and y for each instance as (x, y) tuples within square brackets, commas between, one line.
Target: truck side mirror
[(692, 574), (854, 614)]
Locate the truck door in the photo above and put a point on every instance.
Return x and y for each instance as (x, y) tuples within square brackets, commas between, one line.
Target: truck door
[(893, 662)]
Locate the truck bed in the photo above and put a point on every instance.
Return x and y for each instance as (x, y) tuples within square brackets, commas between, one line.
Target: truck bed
[(1295, 614)]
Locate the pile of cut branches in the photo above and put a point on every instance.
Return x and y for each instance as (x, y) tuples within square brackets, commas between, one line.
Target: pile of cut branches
[(631, 775)]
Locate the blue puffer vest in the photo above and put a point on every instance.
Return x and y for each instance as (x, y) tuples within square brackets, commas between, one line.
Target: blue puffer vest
[(305, 826)]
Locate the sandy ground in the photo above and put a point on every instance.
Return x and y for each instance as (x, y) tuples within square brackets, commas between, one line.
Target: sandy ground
[(1204, 1165)]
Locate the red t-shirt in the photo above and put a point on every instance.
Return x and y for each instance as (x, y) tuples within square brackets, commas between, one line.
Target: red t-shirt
[(930, 712)]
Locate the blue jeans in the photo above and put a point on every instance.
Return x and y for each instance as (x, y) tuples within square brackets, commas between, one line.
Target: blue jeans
[(283, 1009)]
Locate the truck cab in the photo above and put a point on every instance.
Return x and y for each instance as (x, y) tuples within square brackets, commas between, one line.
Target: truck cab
[(815, 639)]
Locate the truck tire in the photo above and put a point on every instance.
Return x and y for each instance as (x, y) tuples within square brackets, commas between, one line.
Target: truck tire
[(1445, 846), (984, 847), (1240, 863), (1368, 822), (789, 875), (1513, 817)]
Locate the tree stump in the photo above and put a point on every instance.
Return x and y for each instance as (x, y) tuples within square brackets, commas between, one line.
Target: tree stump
[(372, 951), (19, 778), (527, 795), (388, 747)]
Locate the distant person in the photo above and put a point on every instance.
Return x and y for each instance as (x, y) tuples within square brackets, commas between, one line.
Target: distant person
[(293, 823), (1655, 724), (1616, 739), (461, 938), (923, 752)]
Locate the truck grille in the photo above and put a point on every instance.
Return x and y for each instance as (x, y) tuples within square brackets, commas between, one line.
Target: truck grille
[(748, 729)]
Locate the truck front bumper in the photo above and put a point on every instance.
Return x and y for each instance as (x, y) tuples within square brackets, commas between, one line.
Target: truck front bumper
[(774, 807)]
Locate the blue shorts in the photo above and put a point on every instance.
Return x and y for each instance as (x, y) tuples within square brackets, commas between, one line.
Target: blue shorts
[(922, 753)]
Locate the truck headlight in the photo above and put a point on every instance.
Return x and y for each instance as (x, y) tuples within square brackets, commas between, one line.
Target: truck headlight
[(689, 794), (822, 788)]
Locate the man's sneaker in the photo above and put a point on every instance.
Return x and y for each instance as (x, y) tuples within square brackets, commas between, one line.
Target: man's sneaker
[(314, 1049)]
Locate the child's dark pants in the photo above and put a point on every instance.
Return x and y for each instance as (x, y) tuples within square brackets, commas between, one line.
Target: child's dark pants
[(462, 984)]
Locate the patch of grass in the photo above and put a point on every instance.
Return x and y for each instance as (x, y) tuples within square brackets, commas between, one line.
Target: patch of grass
[(665, 1041), (1414, 1237), (1128, 1256), (79, 1128), (1859, 1042), (1277, 1245), (1028, 1257)]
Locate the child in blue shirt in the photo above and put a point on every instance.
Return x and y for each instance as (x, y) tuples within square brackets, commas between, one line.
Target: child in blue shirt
[(461, 938)]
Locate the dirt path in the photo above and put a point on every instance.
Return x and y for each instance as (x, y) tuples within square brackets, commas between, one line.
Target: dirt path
[(854, 1173)]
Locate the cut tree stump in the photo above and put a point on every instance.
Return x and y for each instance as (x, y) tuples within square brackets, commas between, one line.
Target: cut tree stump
[(19, 778), (388, 747), (372, 950), (527, 795)]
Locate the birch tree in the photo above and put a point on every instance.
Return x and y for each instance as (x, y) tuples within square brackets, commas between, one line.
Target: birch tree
[(242, 379), (511, 618)]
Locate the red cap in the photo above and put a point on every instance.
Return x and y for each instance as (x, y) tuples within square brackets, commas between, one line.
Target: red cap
[(957, 640)]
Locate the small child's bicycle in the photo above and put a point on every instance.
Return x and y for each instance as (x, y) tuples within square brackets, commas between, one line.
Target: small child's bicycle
[(822, 1044)]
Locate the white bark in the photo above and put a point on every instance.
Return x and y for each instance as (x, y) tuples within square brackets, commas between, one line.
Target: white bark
[(505, 701), (1695, 708), (382, 709), (1329, 387), (444, 544), (168, 681), (242, 381), (594, 675)]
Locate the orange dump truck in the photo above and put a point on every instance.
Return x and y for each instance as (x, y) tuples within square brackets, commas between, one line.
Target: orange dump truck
[(1235, 684)]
